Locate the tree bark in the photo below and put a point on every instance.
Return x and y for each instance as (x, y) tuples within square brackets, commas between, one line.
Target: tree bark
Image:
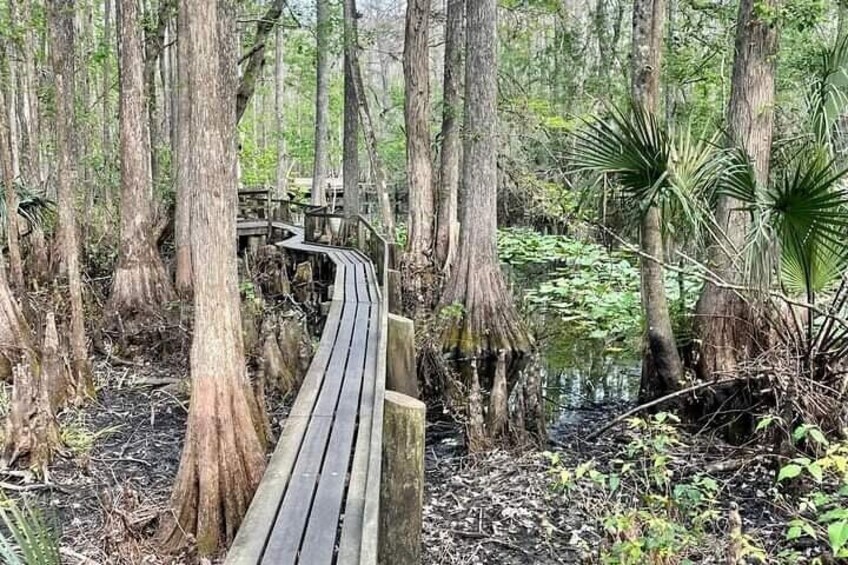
[(322, 105), (723, 321), (140, 286), (223, 458), (8, 148), (416, 74), (350, 145), (279, 113), (60, 17), (153, 47), (447, 225), (256, 59), (488, 322), (182, 209), (662, 370), (378, 170)]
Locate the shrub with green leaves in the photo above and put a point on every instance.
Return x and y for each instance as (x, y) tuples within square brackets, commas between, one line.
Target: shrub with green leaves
[(26, 537)]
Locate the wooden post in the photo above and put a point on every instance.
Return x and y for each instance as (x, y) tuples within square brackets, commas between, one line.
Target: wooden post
[(402, 481), (401, 375)]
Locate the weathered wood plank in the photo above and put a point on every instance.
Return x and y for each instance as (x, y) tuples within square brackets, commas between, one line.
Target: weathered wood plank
[(351, 536), (319, 542)]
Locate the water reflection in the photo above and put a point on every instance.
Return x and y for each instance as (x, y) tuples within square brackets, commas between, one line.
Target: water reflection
[(583, 374)]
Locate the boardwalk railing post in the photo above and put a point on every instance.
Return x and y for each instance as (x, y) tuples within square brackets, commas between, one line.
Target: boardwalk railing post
[(402, 480), (400, 366)]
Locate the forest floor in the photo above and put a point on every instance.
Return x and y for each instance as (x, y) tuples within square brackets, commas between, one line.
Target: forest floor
[(503, 508), (498, 508)]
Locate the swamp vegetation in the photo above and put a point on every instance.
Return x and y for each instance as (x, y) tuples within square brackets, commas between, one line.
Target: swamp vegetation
[(619, 227)]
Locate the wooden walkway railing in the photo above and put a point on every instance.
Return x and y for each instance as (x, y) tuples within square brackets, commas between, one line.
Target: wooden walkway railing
[(319, 501)]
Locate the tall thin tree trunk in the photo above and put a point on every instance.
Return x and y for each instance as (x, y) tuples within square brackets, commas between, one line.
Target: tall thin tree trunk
[(279, 113), (322, 105), (489, 326), (29, 112), (662, 369), (350, 158), (182, 213), (378, 170), (106, 86), (7, 117), (448, 228), (416, 73), (60, 16), (140, 285), (723, 320), (223, 458)]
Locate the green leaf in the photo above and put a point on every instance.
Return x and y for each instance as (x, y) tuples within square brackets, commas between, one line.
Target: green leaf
[(837, 534), (789, 472)]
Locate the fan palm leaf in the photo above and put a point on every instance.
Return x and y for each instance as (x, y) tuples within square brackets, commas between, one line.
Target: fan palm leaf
[(651, 167), (800, 221)]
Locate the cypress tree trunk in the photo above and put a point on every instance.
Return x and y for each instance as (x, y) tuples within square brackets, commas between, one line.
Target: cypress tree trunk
[(723, 319), (662, 370), (489, 327), (279, 113), (60, 17), (350, 158), (416, 73), (223, 458), (140, 286), (182, 211), (448, 228), (322, 105)]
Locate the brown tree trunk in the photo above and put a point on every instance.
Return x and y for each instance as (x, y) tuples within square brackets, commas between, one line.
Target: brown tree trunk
[(447, 225), (279, 114), (662, 370), (182, 209), (723, 320), (322, 104), (378, 171), (256, 57), (223, 458), (350, 157), (488, 324), (140, 286), (416, 74), (60, 17), (8, 148)]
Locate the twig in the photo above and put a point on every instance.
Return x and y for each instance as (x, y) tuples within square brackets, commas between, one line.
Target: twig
[(660, 400)]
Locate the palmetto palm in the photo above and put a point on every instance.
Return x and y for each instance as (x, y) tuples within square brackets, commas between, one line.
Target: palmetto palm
[(800, 220), (33, 207), (652, 166)]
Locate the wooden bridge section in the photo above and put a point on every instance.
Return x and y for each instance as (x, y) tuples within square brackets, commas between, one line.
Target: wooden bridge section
[(318, 502)]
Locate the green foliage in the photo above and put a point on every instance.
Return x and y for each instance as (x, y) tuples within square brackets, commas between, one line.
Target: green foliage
[(594, 290), (822, 513), (651, 167), (645, 514), (800, 219), (30, 539)]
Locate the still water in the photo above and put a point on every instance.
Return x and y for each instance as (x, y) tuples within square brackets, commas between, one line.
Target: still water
[(583, 375)]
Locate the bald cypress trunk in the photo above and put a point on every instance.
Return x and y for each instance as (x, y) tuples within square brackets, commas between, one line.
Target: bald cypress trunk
[(223, 458), (350, 159), (416, 73), (182, 211), (140, 287), (723, 319), (448, 227), (488, 328), (60, 18), (322, 105)]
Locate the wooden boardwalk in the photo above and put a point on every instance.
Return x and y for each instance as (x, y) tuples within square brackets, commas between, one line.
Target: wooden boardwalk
[(318, 501)]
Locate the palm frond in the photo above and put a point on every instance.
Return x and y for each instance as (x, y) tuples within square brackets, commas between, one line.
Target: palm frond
[(827, 95), (30, 539)]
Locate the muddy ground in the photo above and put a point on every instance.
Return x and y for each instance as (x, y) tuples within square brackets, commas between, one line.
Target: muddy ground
[(500, 508)]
